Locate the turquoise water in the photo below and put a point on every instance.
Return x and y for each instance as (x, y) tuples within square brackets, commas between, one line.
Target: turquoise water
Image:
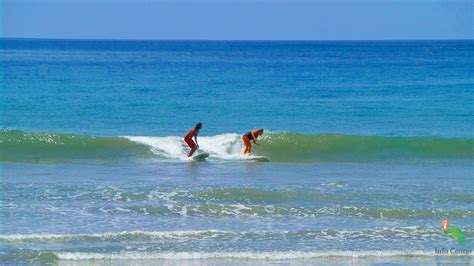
[(118, 88), (370, 144)]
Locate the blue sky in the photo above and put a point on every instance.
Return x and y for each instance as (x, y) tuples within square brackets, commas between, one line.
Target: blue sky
[(238, 19)]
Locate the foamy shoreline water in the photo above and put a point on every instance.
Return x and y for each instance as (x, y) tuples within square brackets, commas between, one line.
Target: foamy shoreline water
[(254, 258), (232, 213)]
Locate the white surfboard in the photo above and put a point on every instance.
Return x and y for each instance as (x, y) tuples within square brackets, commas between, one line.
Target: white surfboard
[(262, 159), (201, 156)]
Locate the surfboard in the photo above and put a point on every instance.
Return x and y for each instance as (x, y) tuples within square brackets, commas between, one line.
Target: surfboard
[(262, 159), (201, 156)]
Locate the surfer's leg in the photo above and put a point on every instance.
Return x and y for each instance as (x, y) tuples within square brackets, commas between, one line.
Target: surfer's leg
[(191, 145), (248, 146), (193, 149)]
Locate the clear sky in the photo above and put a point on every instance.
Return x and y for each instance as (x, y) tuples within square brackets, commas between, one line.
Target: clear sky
[(238, 19)]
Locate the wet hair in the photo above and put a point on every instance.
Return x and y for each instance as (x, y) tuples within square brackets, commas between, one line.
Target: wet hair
[(260, 130), (198, 125)]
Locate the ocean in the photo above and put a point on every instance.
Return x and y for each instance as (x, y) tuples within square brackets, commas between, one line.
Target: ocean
[(371, 146)]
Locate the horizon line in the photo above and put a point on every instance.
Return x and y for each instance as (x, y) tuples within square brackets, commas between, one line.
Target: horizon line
[(229, 40)]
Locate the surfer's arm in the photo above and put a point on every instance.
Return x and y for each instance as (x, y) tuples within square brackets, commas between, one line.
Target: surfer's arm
[(254, 138)]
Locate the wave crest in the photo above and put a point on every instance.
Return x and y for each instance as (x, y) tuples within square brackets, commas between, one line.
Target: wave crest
[(20, 146)]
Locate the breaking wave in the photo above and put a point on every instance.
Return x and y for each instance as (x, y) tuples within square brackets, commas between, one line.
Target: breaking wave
[(20, 146)]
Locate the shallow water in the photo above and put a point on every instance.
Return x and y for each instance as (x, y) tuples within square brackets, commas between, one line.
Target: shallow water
[(233, 210)]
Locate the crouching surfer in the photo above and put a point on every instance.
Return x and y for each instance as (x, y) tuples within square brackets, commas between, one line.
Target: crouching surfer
[(189, 138), (251, 136)]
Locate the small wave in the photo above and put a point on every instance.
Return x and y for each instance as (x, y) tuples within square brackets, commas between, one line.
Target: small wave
[(235, 210), (412, 233), (296, 147), (329, 257), (328, 194), (28, 256), (112, 235), (20, 146), (267, 256), (54, 257)]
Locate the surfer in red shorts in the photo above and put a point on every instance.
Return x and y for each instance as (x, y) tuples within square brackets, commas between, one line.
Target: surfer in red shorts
[(189, 138), (251, 135)]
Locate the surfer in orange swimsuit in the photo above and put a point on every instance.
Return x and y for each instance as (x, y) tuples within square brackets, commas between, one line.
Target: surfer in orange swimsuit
[(189, 138), (251, 135)]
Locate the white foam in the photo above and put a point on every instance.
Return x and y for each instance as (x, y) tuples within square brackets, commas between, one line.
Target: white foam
[(171, 147), (275, 255), (343, 234), (152, 234), (221, 147)]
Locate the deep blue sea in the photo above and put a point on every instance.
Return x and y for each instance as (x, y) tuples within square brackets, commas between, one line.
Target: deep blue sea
[(371, 145)]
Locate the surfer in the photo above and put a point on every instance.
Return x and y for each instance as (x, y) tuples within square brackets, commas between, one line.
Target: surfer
[(189, 138), (251, 135)]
